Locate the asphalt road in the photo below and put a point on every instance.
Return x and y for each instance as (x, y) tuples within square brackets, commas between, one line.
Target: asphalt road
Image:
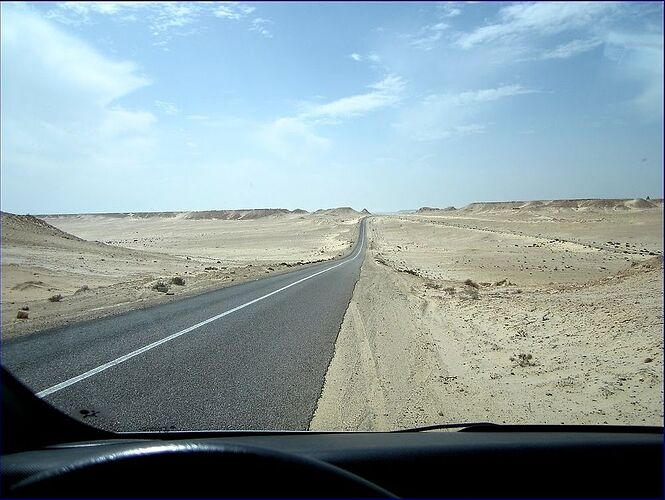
[(250, 356)]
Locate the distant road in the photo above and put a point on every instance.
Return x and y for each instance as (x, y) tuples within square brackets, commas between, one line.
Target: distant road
[(250, 356)]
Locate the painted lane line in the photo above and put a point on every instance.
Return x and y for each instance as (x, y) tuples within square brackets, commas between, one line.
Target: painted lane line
[(132, 354)]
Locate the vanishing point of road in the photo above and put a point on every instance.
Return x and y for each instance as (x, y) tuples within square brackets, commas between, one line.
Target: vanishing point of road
[(249, 356)]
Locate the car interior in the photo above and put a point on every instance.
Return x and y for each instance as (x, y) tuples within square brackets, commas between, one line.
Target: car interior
[(46, 453)]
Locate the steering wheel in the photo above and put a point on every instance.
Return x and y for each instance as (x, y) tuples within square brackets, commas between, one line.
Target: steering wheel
[(193, 469)]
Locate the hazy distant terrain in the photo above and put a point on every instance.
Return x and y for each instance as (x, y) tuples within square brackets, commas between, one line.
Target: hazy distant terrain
[(535, 312)]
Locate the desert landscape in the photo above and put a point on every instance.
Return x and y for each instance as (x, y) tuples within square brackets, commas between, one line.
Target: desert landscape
[(513, 312), (520, 312), (61, 269)]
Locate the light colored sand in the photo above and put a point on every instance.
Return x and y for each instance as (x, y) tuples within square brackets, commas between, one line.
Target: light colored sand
[(289, 238), (131, 254), (416, 348)]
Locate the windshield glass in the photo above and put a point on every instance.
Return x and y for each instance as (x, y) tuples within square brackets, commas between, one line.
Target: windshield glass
[(334, 216)]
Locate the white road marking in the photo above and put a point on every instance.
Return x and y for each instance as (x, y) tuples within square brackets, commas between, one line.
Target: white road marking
[(130, 355)]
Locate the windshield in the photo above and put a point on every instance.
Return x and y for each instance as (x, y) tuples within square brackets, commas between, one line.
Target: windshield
[(334, 216)]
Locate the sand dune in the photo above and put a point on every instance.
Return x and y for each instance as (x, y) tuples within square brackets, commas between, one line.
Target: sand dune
[(340, 211), (29, 229), (583, 204)]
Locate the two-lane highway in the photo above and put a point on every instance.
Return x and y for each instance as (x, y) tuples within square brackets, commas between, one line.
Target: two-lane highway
[(250, 356)]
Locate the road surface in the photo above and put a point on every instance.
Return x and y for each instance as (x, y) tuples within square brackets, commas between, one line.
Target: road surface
[(250, 356)]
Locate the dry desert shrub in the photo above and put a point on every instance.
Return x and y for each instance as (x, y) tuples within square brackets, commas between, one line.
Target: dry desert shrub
[(523, 360), (180, 281), (471, 283), (55, 298), (160, 286)]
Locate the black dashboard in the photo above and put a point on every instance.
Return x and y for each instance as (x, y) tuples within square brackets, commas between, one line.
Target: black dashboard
[(46, 453)]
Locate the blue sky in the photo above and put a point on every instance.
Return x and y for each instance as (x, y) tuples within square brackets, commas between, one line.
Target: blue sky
[(134, 106)]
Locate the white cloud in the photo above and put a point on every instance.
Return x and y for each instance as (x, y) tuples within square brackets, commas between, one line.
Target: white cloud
[(293, 139), (427, 37), (571, 49), (449, 9), (473, 128), (259, 24), (540, 18), (443, 133), (524, 32), (172, 17), (163, 19), (60, 103), (81, 12), (167, 107), (372, 57), (442, 116), (160, 17), (233, 10), (476, 96), (384, 93), (639, 57)]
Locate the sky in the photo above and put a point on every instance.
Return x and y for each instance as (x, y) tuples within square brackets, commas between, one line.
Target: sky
[(141, 106)]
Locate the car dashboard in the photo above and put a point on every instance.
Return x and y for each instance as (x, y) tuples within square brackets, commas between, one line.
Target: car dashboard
[(48, 454)]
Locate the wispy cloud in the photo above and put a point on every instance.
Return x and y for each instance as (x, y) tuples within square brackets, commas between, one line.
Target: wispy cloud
[(476, 96), (552, 31), (443, 133), (233, 10), (571, 49), (60, 102), (163, 19), (172, 17), (82, 12), (292, 138), (639, 57), (450, 9), (442, 116), (296, 137), (259, 24), (372, 57), (383, 93), (541, 18), (426, 38), (167, 107)]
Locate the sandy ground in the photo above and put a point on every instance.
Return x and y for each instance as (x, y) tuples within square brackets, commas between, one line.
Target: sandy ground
[(565, 325), (107, 264)]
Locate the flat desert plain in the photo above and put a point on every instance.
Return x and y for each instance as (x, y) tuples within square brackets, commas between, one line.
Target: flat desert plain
[(103, 264), (522, 312)]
